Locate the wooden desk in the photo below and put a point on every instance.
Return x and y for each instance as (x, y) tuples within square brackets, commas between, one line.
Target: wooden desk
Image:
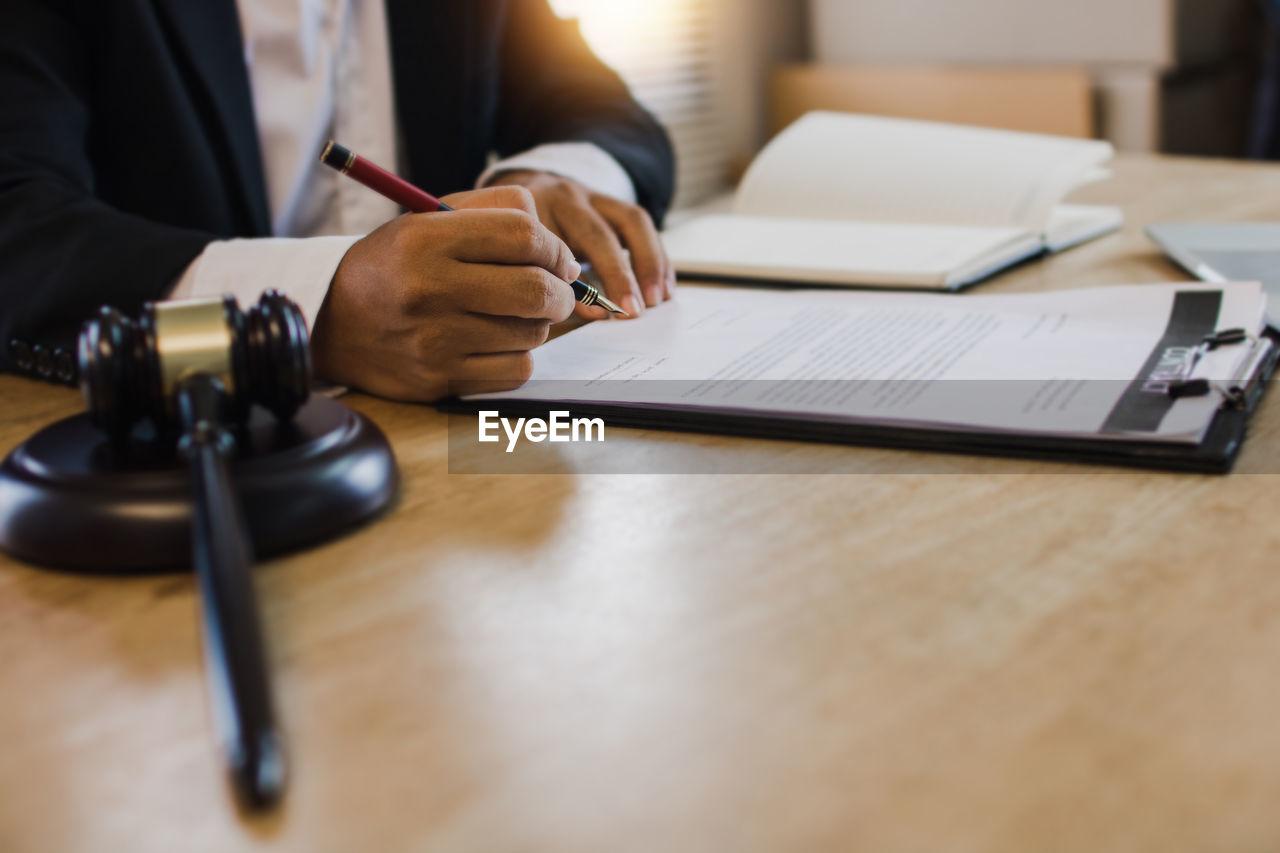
[(1022, 657)]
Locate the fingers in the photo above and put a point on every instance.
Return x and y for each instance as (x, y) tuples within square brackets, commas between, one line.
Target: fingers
[(648, 259), (456, 358), (486, 374), (510, 197), (491, 236), (594, 239), (618, 238), (484, 335), (527, 292)]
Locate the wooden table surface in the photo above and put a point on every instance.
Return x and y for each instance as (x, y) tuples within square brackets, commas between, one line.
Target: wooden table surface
[(1014, 656)]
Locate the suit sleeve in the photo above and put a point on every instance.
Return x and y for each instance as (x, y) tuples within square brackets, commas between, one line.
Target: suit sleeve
[(554, 89), (63, 252)]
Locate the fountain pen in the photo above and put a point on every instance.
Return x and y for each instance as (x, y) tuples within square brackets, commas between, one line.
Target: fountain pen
[(415, 200)]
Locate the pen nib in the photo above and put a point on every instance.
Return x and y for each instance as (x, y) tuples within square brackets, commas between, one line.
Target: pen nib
[(604, 303)]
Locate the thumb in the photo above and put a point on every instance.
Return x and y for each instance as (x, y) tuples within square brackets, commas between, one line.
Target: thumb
[(566, 266)]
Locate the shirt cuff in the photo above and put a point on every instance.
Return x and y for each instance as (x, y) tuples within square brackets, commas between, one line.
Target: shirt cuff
[(588, 164), (301, 269)]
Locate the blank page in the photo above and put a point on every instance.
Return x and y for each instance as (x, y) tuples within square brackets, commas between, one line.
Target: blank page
[(823, 251), (874, 169)]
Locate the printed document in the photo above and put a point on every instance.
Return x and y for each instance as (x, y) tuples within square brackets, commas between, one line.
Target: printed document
[(1094, 362)]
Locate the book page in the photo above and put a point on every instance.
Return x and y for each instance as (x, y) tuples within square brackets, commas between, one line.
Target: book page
[(1073, 363), (875, 169), (827, 252), (1072, 224)]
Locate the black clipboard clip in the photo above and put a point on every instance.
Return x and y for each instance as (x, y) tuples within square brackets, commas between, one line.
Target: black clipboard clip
[(1239, 390)]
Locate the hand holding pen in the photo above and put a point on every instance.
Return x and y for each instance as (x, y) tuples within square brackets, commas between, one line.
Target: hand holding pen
[(416, 200), (427, 306)]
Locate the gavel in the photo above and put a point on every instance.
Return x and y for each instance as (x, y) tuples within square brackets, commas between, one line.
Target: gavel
[(195, 369)]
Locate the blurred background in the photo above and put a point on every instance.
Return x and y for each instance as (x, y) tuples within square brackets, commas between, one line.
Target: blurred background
[(1196, 77)]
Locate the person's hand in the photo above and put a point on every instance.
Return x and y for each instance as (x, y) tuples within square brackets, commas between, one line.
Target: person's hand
[(598, 228), (445, 303)]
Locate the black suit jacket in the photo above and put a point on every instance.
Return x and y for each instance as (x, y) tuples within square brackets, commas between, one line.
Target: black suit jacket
[(128, 138)]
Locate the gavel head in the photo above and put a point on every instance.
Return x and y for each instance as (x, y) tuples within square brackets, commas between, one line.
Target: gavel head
[(130, 370)]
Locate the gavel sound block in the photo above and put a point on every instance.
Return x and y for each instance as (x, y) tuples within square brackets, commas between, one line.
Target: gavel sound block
[(71, 498), (108, 490)]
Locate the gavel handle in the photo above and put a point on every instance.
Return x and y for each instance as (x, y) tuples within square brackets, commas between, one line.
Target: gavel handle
[(221, 555)]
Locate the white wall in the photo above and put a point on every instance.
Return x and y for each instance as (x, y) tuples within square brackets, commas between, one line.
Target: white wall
[(754, 36)]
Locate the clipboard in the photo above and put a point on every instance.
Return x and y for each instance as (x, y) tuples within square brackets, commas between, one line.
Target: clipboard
[(1216, 453)]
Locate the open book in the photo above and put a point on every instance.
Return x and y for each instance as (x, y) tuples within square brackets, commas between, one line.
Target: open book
[(845, 199)]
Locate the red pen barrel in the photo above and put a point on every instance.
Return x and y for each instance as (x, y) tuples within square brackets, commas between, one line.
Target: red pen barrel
[(378, 179)]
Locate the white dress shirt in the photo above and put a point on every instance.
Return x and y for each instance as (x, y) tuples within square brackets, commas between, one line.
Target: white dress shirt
[(321, 69)]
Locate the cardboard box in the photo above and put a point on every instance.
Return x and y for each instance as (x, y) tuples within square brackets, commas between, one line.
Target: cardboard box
[(1158, 33), (1038, 100)]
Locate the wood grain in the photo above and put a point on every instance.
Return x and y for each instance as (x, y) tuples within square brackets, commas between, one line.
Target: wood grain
[(1017, 656)]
